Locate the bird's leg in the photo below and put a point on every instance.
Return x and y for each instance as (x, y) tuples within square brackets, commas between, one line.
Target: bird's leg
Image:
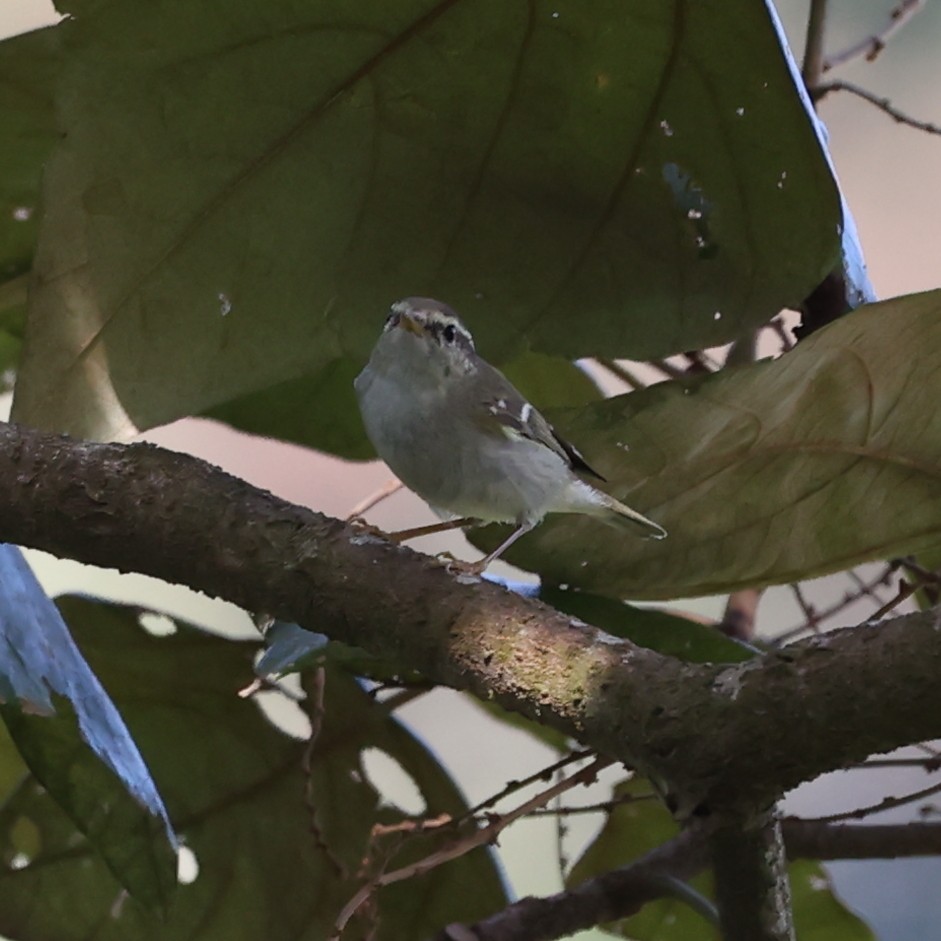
[(476, 568), (405, 534)]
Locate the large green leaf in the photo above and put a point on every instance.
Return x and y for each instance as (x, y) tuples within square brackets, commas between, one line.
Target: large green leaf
[(235, 789), (819, 914), (28, 68), (243, 187), (75, 742), (825, 458)]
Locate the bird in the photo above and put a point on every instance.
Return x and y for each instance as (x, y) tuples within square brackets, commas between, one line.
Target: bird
[(456, 431)]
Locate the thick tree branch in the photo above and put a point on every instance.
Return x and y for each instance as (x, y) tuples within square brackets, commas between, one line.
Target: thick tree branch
[(812, 840), (623, 892), (609, 897), (773, 721), (752, 887)]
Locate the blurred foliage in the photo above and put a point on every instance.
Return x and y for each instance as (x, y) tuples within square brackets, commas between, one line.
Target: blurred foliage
[(74, 740), (641, 825), (234, 785), (233, 205), (764, 474), (233, 194)]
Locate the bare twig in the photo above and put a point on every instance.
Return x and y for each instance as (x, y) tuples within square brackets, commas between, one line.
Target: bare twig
[(620, 371), (851, 597), (394, 485), (887, 803), (464, 845), (700, 363), (883, 104), (604, 807), (412, 827), (668, 369), (867, 590), (559, 828), (787, 341), (315, 682), (912, 565), (544, 774), (870, 47), (906, 590), (931, 763), (813, 66), (402, 697), (812, 618)]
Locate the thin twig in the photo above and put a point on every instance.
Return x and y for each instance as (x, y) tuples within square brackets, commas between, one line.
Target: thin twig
[(668, 369), (887, 803), (868, 591), (512, 787), (787, 341), (559, 828), (930, 764), (620, 371), (870, 47), (906, 590), (403, 697), (883, 104), (464, 845), (912, 565), (314, 685), (376, 497), (812, 618), (813, 66), (604, 807), (412, 827), (700, 363), (826, 613)]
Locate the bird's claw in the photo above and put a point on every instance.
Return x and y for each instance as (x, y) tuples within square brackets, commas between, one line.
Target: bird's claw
[(459, 566), (359, 524)]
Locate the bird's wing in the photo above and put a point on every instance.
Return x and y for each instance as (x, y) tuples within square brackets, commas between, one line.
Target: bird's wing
[(513, 415)]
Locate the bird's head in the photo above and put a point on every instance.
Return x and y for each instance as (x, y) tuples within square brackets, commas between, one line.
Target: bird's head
[(421, 333)]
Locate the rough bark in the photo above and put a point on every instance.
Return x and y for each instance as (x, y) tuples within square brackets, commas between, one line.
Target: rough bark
[(716, 738)]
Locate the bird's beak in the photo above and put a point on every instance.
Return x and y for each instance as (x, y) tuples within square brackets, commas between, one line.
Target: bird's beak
[(407, 323)]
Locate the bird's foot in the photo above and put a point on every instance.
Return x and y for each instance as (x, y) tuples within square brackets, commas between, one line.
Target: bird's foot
[(460, 566), (367, 529)]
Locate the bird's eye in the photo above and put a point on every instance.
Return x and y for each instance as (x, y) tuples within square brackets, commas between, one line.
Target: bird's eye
[(392, 320), (449, 333)]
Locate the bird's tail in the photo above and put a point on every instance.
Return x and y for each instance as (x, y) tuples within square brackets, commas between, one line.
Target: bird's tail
[(617, 514)]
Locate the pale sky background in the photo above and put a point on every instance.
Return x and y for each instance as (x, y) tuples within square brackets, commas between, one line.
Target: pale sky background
[(890, 176)]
